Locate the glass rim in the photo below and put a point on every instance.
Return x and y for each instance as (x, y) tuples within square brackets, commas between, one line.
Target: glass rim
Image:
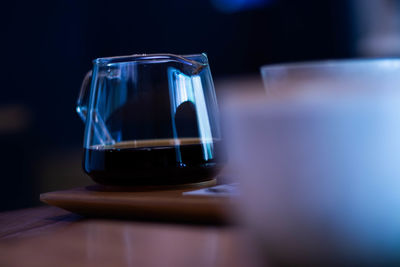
[(146, 57), (333, 63)]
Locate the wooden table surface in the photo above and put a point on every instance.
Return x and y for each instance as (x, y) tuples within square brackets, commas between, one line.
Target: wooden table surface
[(49, 236)]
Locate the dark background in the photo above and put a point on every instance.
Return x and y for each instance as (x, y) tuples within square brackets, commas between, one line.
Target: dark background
[(47, 47)]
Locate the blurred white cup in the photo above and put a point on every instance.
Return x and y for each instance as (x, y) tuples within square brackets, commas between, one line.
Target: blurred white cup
[(318, 161)]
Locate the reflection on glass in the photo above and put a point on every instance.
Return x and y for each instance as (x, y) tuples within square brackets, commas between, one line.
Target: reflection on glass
[(183, 89)]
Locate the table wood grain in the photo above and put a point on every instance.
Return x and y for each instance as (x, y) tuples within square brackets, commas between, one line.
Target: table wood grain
[(34, 221), (48, 236)]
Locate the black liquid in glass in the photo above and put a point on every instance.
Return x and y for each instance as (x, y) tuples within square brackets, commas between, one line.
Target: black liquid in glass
[(153, 162)]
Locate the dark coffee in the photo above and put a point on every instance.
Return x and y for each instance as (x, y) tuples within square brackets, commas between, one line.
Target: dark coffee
[(153, 162)]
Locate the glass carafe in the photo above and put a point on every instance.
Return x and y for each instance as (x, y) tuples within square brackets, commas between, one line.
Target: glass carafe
[(150, 120)]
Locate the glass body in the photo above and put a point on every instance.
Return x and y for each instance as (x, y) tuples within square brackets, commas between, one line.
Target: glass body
[(150, 119)]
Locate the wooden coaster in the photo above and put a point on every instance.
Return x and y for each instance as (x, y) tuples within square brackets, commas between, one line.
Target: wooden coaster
[(166, 203), (141, 188)]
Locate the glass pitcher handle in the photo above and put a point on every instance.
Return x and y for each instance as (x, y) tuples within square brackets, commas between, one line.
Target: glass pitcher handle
[(83, 98), (100, 129)]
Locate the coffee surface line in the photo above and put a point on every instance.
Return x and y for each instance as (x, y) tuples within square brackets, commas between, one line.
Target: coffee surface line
[(167, 142)]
